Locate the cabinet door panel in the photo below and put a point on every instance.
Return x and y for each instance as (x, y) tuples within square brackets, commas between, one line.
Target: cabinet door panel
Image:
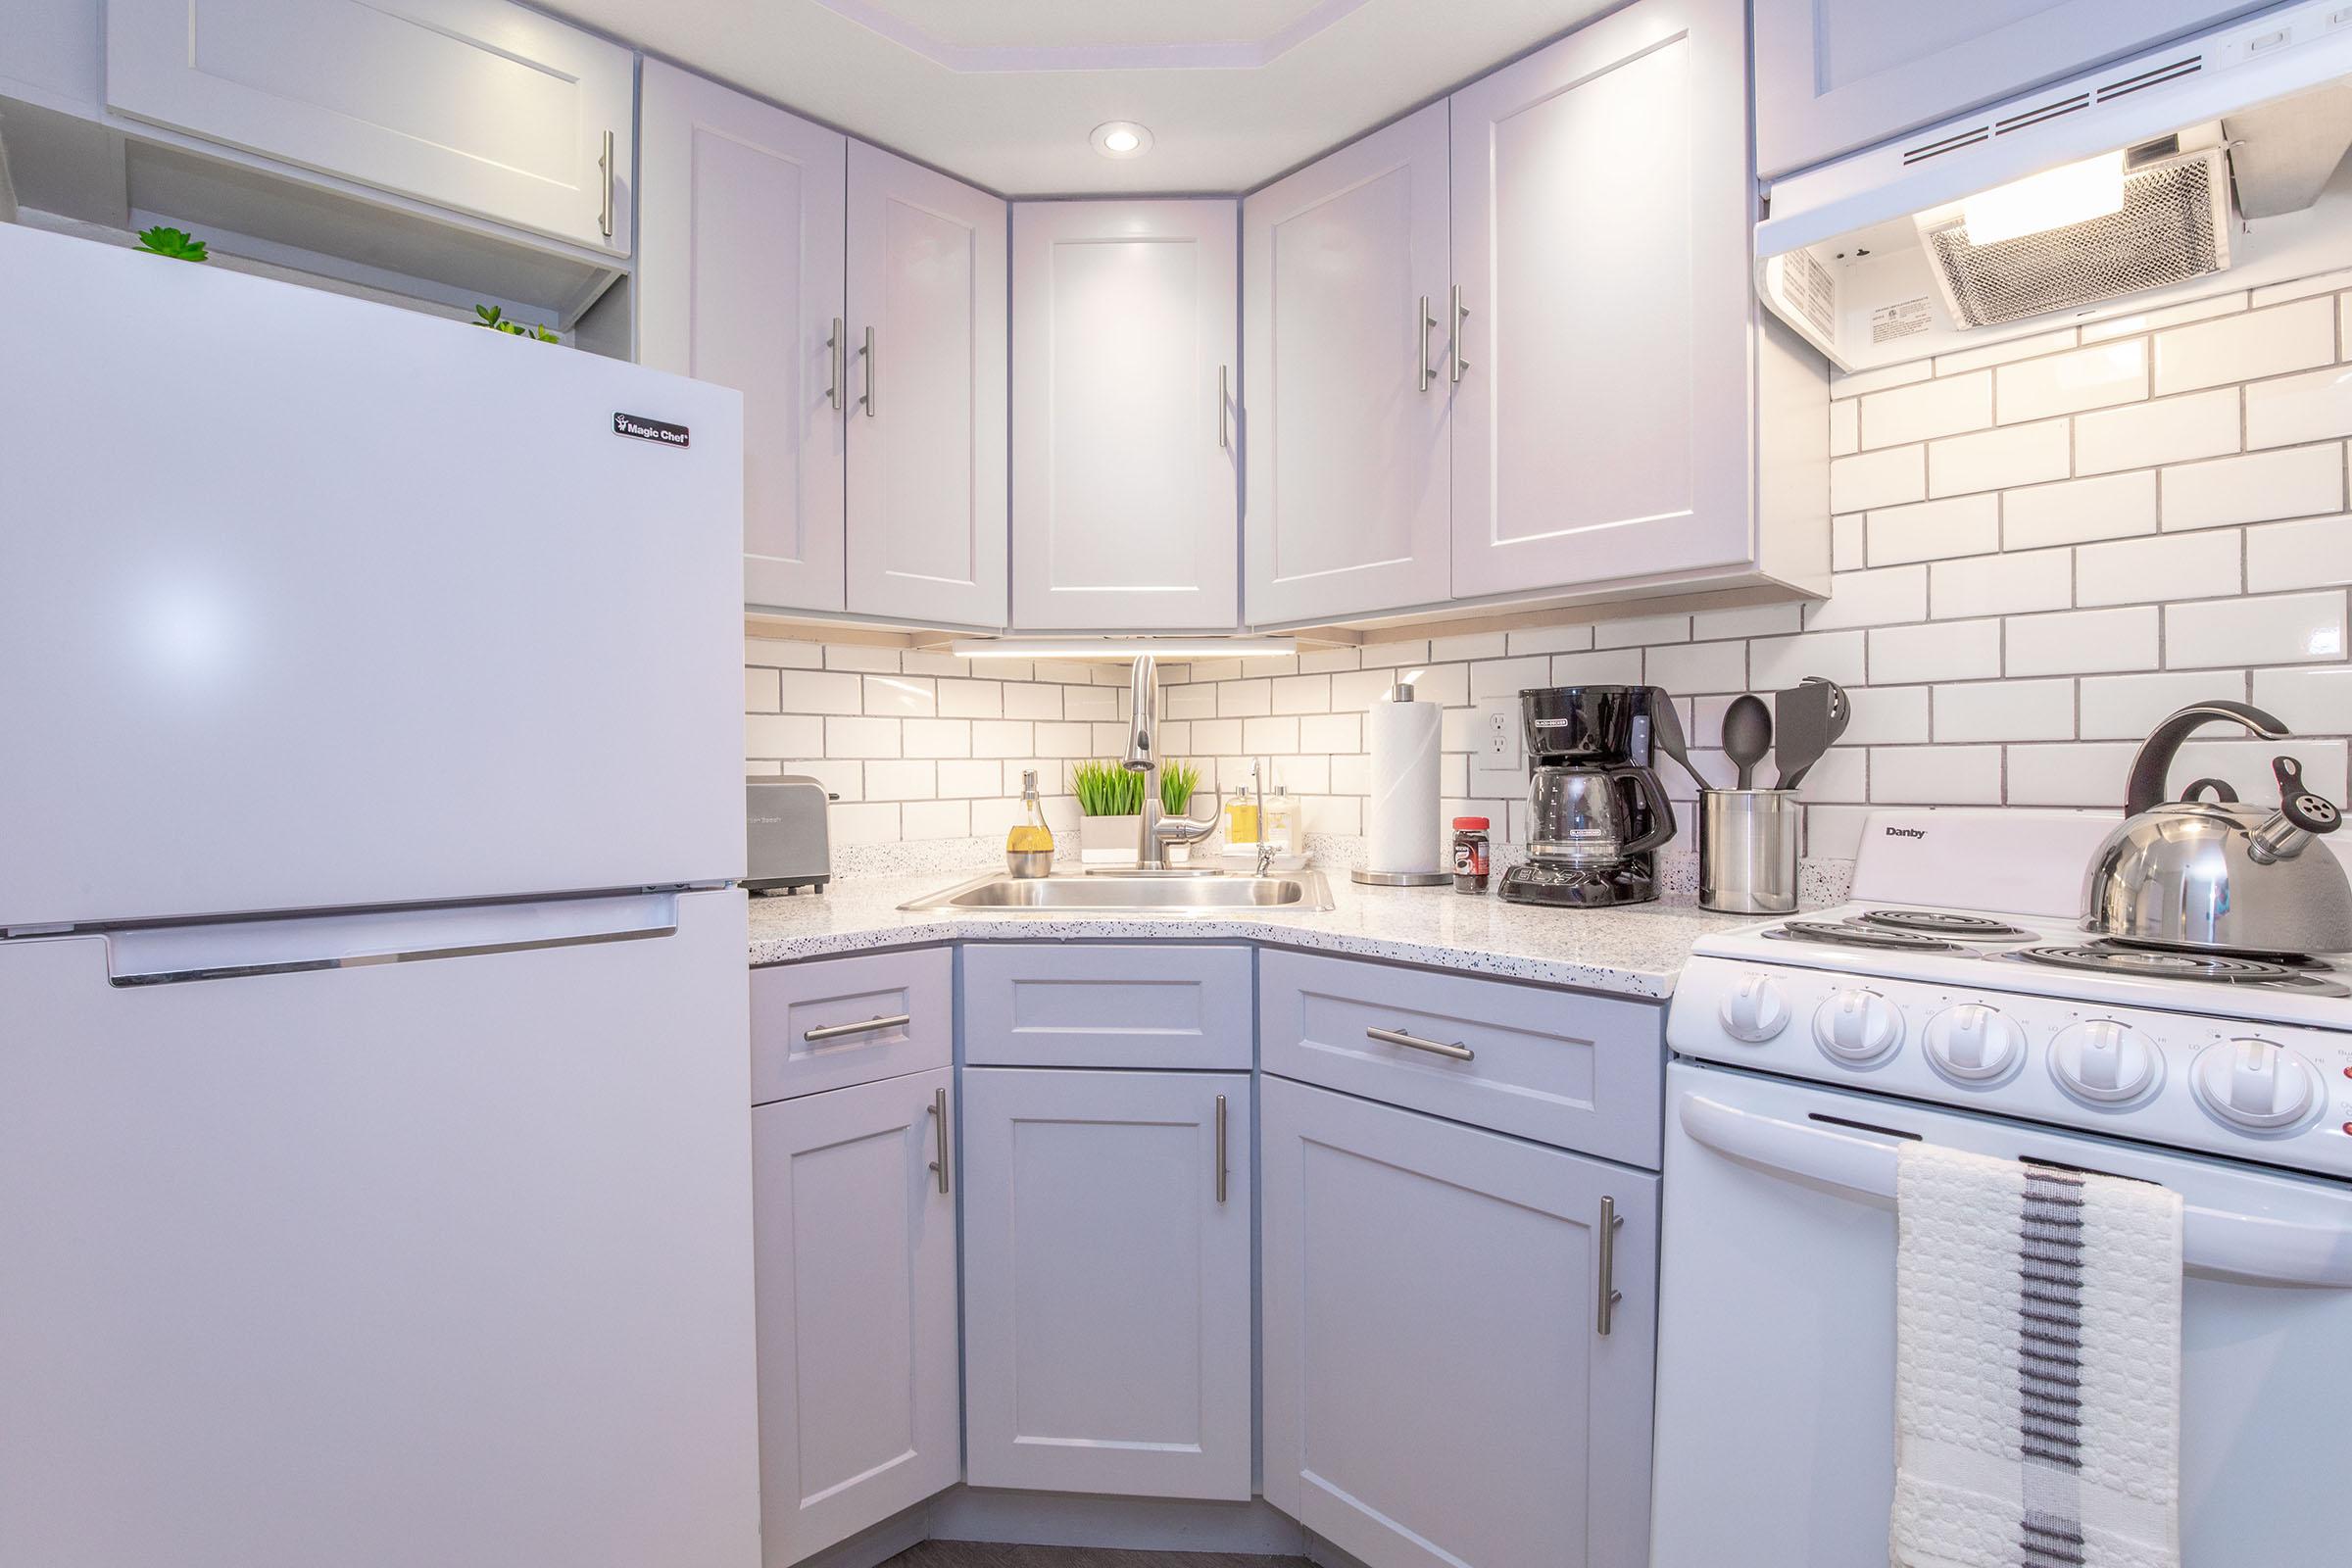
[(1107, 1296), (476, 105), (1833, 75), (927, 440), (1437, 1388), (1347, 458), (1601, 237), (1126, 458), (855, 1250), (739, 282)]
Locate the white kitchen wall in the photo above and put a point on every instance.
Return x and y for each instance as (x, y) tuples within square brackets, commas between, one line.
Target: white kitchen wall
[(2041, 549)]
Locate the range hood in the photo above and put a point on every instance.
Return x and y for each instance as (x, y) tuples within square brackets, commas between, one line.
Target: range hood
[(2214, 163)]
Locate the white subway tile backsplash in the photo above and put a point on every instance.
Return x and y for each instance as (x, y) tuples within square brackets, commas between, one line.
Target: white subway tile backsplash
[(1853, 384), (1302, 694), (2128, 707), (1845, 428), (2241, 347), (1245, 698), (935, 819), (850, 824), (1002, 737), (2299, 554), (1357, 690), (1934, 775), (2317, 698), (861, 737), (2128, 326), (2296, 288), (2290, 482), (1394, 656), (1476, 645), (1261, 736), (1549, 640), (2281, 629), (862, 659), (2140, 571), (2068, 383), (2005, 710), (903, 780), (2016, 348), (1504, 678), (1965, 525), (1757, 620), (2083, 642), (1959, 650), (1924, 409), (778, 654), (1886, 479), (1886, 716), (810, 691), (1845, 543), (783, 735), (2140, 436), (985, 699), (2069, 775), (935, 737), (1777, 661), (1031, 699), (2002, 585), (1841, 775), (761, 692), (1689, 668), (1878, 597), (1613, 666), (1991, 460), (901, 696), (2113, 505), (1639, 631), (2299, 408), (963, 778)]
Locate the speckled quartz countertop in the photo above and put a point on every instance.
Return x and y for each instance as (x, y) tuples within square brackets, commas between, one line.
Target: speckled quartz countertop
[(1633, 952)]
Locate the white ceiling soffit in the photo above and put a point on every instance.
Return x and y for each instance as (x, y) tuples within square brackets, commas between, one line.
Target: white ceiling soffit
[(1006, 93)]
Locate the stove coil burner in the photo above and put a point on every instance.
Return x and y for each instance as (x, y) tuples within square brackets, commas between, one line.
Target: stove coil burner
[(1941, 923), (2164, 963), (1846, 934)]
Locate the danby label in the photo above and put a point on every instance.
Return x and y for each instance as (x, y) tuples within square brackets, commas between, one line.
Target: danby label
[(645, 429), (1906, 832)]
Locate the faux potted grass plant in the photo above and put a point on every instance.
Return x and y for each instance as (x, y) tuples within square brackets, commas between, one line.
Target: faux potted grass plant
[(1111, 809)]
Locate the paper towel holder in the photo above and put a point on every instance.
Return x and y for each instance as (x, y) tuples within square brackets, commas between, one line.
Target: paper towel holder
[(1401, 692)]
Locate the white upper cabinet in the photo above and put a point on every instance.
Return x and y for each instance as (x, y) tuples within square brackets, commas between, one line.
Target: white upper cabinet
[(1347, 379), (855, 1246), (1107, 1281), (475, 105), (927, 431), (1125, 440), (1833, 75), (1601, 212), (740, 282)]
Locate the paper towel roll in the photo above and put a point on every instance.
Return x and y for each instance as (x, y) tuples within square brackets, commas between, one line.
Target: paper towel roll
[(1401, 826)]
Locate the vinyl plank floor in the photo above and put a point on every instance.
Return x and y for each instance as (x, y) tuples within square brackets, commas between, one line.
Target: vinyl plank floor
[(993, 1554)]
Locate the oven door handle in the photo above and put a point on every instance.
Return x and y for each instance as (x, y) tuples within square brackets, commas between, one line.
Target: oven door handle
[(2251, 1247)]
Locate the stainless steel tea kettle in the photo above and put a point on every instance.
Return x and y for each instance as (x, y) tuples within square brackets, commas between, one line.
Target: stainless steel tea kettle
[(2211, 874)]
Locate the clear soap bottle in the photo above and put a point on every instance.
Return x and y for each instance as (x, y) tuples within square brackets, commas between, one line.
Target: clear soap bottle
[(1029, 845)]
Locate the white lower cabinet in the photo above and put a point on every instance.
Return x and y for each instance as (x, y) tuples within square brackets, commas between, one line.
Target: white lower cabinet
[(1443, 1384), (1107, 1281), (856, 1243)]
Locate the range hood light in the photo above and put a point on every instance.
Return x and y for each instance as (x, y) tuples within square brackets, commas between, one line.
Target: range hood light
[(2071, 193)]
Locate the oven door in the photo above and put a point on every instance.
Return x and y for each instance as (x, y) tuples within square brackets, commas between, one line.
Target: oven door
[(1776, 1335)]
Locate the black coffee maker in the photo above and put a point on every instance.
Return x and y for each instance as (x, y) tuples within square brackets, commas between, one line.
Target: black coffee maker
[(1597, 813)]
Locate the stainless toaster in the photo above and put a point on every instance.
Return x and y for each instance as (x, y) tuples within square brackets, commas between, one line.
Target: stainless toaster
[(791, 847)]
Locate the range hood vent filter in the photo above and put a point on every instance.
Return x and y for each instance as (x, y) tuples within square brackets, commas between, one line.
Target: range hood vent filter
[(2173, 227)]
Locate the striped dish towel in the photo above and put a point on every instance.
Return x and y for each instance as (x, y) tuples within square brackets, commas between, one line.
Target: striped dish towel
[(2037, 1367)]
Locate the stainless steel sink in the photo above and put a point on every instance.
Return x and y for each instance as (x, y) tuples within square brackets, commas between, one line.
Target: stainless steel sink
[(1131, 893)]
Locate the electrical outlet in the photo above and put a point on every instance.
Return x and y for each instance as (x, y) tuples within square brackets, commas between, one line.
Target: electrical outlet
[(1498, 735)]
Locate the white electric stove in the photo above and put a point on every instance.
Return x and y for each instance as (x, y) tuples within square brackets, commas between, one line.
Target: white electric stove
[(1956, 999)]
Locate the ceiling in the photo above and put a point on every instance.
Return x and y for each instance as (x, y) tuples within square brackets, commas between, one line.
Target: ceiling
[(1004, 92)]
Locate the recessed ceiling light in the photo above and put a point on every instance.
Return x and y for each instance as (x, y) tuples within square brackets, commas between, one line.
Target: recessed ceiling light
[(1121, 138)]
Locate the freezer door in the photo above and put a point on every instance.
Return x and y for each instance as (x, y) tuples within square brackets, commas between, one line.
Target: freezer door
[(381, 1263), (307, 603)]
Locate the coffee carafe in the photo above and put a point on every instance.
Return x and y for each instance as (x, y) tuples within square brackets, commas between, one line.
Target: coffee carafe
[(1596, 812)]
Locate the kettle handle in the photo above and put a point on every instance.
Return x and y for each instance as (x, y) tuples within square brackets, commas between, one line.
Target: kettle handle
[(2155, 760)]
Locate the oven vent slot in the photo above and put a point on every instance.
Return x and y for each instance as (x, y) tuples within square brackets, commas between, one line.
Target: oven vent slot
[(2036, 116), (2157, 76)]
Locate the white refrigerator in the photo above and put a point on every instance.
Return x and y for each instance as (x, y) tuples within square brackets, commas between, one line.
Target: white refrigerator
[(374, 1160)]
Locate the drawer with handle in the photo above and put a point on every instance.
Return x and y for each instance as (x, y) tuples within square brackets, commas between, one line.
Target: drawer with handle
[(835, 1023), (1105, 1004), (1559, 1066)]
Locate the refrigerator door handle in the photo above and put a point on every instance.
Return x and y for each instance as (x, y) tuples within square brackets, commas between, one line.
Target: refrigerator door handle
[(235, 949)]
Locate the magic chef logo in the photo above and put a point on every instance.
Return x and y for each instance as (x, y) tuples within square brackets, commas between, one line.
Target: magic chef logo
[(1906, 832), (645, 429)]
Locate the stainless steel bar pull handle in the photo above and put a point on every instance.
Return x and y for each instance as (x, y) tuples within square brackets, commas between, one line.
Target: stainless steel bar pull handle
[(867, 401), (871, 1026), (837, 360), (1224, 397), (1220, 1148), (1461, 313), (1436, 1047), (939, 1120), (1421, 344), (1610, 1295), (603, 218)]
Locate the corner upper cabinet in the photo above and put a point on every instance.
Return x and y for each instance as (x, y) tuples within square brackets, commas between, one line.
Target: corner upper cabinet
[(1607, 332), (475, 105), (740, 280), (927, 534), (854, 1240), (1833, 76), (1126, 445), (1347, 380)]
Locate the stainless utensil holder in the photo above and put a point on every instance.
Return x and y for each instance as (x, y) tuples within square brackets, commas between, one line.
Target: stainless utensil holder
[(1748, 851)]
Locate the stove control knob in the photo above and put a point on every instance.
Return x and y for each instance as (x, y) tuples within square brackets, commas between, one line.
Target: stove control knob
[(1755, 1010), (2105, 1063), (1972, 1044), (1858, 1027), (2255, 1084)]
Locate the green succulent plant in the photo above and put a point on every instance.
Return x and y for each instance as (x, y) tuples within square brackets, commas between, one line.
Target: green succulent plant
[(1106, 789), (495, 317), (177, 243)]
